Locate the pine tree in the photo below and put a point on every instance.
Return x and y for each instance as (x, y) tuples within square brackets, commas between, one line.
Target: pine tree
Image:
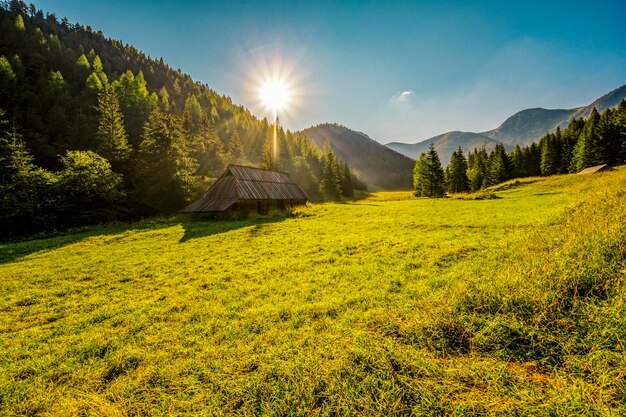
[(267, 157), (93, 83), (166, 177), (19, 23), (112, 142), (587, 151), (235, 149), (330, 185), (620, 122), (83, 62), (517, 163), (549, 154), (192, 107), (347, 185), (456, 178), (135, 103), (499, 166), (207, 149), (610, 141), (428, 175), (478, 164)]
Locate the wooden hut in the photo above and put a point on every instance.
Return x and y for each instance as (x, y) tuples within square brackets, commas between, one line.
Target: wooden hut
[(597, 168), (246, 189)]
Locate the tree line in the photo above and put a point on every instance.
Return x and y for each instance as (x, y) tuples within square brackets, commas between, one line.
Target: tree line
[(93, 130), (599, 139)]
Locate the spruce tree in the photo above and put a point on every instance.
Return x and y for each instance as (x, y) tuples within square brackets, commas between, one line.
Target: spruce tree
[(19, 23), (478, 164), (235, 149), (267, 157), (428, 175), (83, 62), (549, 155), (587, 151), (610, 144), (330, 184), (166, 177), (620, 122), (347, 184), (112, 142), (207, 149), (517, 162), (499, 166), (457, 180)]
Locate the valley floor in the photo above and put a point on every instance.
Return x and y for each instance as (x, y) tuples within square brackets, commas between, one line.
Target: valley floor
[(390, 305)]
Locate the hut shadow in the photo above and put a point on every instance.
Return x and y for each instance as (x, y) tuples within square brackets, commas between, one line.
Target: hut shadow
[(12, 251), (203, 228)]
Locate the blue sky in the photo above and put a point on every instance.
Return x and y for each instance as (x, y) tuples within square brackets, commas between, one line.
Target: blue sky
[(394, 70)]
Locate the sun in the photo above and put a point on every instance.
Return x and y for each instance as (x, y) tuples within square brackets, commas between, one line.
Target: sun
[(275, 94)]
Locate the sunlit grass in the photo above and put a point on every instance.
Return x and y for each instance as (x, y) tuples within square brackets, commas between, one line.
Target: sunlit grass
[(381, 306)]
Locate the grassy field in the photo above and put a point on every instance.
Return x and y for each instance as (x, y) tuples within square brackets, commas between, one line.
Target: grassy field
[(389, 305)]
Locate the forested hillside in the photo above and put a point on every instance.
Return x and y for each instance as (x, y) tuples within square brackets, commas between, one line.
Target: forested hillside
[(375, 164), (92, 129)]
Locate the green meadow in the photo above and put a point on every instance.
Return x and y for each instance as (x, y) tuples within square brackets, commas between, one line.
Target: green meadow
[(387, 305)]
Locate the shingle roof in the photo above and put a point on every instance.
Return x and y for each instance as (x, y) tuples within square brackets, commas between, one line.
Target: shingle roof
[(247, 183), (597, 168)]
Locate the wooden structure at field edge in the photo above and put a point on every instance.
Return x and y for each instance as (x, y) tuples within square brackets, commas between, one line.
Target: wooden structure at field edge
[(246, 189), (597, 168)]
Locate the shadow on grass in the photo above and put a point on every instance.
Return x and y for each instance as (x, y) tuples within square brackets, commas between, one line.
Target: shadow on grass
[(195, 229), (512, 185), (11, 251), (549, 193)]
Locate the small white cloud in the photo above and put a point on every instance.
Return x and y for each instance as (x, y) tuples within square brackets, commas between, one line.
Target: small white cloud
[(402, 96)]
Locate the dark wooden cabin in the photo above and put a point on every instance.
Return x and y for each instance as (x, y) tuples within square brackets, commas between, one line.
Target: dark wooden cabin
[(246, 189)]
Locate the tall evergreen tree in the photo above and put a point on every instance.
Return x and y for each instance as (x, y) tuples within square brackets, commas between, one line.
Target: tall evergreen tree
[(330, 184), (499, 166), (207, 149), (112, 142), (235, 149), (347, 184), (478, 165), (620, 122), (267, 154), (517, 163), (456, 178), (428, 175), (587, 151), (549, 154), (610, 139), (167, 173)]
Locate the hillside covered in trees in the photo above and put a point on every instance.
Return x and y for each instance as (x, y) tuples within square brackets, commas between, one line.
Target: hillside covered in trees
[(375, 164), (92, 129), (598, 139)]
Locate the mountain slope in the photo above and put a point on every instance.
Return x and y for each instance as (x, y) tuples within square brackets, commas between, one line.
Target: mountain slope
[(522, 128), (608, 100), (529, 125), (374, 163), (445, 144)]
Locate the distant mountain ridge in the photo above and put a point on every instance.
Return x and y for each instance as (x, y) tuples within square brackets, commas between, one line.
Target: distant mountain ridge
[(445, 144), (375, 164), (522, 128)]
